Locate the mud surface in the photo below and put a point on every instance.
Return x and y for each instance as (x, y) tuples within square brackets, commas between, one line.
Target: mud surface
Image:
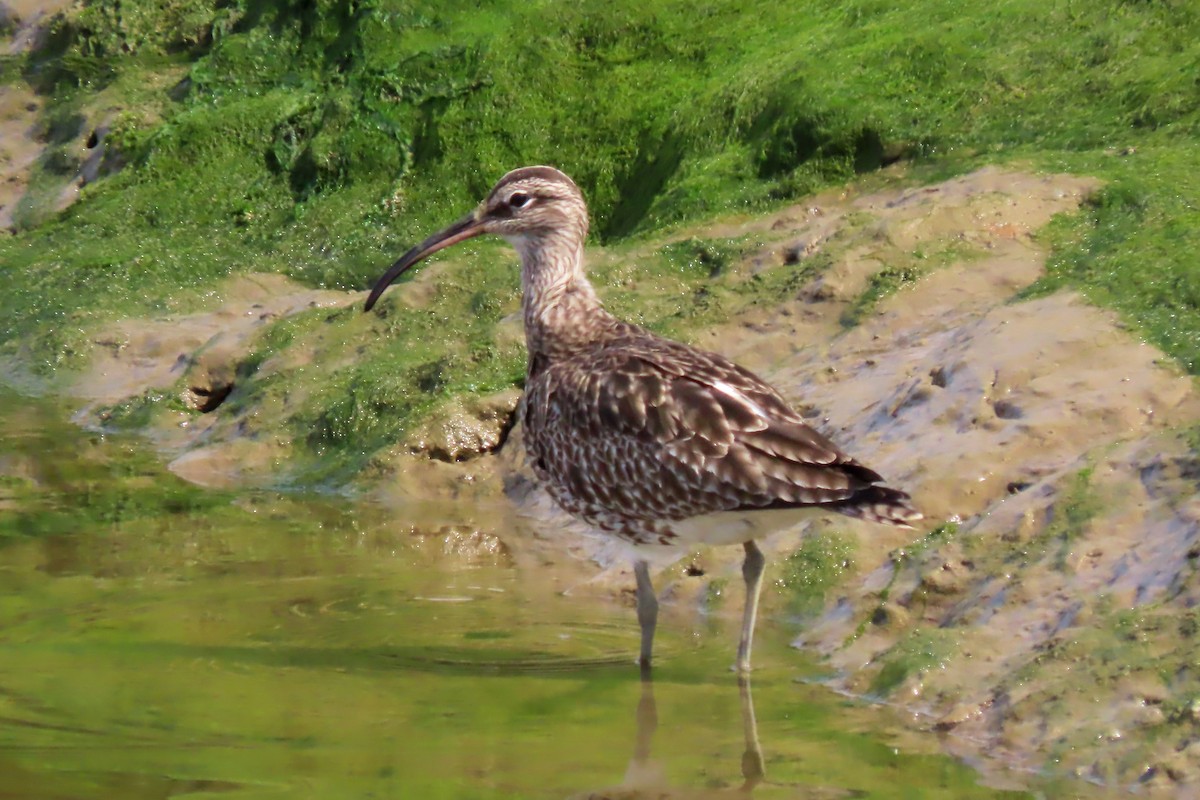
[(135, 355), (197, 357), (23, 139), (19, 147), (1045, 443)]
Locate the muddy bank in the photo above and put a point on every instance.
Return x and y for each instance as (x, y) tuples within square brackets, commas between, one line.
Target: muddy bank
[(1047, 445)]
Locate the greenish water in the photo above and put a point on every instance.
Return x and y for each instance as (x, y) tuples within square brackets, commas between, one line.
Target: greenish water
[(158, 640)]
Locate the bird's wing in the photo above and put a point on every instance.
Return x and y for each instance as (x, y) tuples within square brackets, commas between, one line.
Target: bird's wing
[(733, 431)]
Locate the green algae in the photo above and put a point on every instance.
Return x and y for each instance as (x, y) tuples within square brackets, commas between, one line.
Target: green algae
[(1130, 246), (709, 257), (139, 412), (904, 561), (822, 562), (1075, 506), (1078, 505), (1142, 657), (381, 373), (880, 285), (714, 593), (911, 553), (920, 650)]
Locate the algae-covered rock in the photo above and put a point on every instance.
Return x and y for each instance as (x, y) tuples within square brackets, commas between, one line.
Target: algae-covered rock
[(463, 428)]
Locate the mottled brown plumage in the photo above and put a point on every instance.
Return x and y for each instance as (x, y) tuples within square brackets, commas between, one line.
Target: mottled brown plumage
[(646, 438), (636, 432)]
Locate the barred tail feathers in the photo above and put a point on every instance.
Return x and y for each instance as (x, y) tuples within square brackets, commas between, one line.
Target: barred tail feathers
[(880, 504)]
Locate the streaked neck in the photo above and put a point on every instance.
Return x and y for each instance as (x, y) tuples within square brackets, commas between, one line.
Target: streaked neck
[(561, 309)]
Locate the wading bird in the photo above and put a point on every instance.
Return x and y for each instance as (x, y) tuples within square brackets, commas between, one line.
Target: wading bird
[(644, 438)]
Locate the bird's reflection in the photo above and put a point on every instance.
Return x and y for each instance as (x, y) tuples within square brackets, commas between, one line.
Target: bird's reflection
[(645, 778)]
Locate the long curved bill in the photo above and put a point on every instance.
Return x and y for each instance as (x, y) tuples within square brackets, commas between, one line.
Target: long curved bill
[(465, 228)]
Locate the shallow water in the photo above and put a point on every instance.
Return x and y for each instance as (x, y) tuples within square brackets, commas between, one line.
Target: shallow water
[(158, 640)]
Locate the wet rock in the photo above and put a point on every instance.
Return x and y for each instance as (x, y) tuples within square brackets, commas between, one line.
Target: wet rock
[(1006, 409), (468, 545), (463, 429), (510, 331), (207, 397), (233, 464), (211, 373), (1145, 690), (1147, 716)]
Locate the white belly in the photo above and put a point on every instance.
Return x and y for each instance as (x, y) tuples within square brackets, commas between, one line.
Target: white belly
[(735, 527)]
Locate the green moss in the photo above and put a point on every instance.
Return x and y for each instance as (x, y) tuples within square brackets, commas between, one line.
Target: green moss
[(137, 413), (714, 593), (884, 283), (904, 558), (822, 562), (707, 257), (1130, 247), (919, 651), (1077, 506)]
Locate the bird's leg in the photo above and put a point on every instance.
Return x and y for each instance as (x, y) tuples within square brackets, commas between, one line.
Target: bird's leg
[(753, 766), (752, 571), (647, 611)]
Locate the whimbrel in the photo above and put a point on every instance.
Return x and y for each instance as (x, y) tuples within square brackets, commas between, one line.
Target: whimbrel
[(644, 438)]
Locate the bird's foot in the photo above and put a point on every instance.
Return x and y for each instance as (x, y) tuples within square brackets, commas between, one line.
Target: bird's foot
[(754, 768)]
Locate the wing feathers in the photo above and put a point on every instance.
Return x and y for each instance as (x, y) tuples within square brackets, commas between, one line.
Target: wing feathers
[(795, 442), (708, 430)]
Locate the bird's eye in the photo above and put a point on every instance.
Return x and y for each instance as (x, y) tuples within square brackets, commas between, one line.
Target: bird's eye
[(518, 200)]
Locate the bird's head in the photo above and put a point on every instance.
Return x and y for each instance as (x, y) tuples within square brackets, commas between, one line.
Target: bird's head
[(530, 207)]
